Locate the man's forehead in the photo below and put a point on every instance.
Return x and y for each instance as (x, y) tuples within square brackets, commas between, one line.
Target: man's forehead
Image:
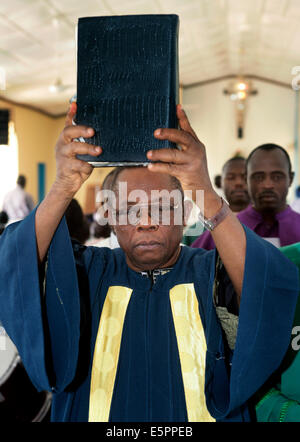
[(267, 160), (236, 166), (141, 178)]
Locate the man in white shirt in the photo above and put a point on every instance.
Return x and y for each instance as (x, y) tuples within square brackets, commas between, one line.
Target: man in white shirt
[(18, 203)]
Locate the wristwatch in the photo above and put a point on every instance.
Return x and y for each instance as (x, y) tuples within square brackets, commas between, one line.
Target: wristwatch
[(212, 223)]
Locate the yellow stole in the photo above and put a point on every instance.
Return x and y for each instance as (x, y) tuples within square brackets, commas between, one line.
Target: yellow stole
[(191, 346), (192, 350), (106, 353)]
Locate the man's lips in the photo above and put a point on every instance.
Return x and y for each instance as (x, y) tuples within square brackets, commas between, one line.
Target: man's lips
[(267, 196), (147, 245), (239, 193)]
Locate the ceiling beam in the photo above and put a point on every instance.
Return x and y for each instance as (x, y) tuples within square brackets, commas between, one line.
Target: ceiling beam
[(31, 107), (230, 76)]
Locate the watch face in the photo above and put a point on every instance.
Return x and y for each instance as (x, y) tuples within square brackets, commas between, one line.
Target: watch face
[(209, 224)]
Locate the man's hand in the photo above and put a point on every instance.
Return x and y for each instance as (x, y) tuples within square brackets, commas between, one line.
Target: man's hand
[(70, 171), (70, 175), (189, 164)]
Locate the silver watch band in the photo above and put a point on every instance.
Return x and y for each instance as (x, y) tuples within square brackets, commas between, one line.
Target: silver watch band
[(214, 221)]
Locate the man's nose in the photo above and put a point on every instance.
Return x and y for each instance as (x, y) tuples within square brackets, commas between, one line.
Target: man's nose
[(268, 183), (239, 182), (145, 222)]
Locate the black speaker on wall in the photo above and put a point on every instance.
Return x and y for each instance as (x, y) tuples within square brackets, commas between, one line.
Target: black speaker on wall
[(4, 120)]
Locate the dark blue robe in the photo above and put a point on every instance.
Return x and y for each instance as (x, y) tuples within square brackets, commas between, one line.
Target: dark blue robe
[(55, 329)]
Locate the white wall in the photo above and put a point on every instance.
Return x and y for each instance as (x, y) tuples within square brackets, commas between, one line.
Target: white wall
[(8, 164), (269, 119)]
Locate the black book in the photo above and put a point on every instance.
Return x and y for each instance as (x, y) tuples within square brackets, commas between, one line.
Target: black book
[(127, 84)]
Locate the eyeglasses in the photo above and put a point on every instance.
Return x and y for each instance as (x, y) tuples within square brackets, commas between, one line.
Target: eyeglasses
[(159, 214)]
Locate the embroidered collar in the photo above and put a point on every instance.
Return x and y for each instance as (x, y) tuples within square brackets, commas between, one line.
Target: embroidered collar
[(153, 274)]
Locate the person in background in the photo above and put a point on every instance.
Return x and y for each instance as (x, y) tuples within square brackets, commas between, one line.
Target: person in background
[(269, 174), (18, 203), (279, 399), (77, 223), (217, 183), (3, 221), (99, 231), (234, 186), (296, 203), (103, 233), (269, 177)]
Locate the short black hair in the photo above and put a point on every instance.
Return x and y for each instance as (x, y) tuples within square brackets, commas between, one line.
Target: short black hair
[(21, 181), (267, 148), (108, 180), (231, 160), (76, 221), (3, 217), (217, 181)]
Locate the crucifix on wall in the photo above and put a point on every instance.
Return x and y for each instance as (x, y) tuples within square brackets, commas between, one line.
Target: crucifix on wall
[(238, 91)]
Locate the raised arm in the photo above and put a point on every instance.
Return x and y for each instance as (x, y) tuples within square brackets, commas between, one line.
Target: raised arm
[(71, 173), (189, 165)]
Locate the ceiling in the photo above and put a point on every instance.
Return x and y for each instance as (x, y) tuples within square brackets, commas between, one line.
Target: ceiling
[(217, 38)]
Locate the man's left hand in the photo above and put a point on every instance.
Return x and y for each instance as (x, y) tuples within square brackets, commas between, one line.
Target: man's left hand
[(188, 164)]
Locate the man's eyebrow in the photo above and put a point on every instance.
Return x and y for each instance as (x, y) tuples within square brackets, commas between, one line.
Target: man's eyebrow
[(143, 203), (263, 172), (257, 172)]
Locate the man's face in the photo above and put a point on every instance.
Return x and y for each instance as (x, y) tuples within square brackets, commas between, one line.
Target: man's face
[(147, 243), (268, 180), (234, 184)]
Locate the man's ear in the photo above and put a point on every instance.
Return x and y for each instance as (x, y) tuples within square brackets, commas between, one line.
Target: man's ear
[(111, 223), (292, 175), (188, 207)]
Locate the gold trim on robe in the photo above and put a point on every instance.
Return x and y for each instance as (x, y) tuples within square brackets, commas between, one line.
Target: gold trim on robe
[(192, 350), (106, 353)]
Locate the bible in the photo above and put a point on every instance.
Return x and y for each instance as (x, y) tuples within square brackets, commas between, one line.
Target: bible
[(127, 84)]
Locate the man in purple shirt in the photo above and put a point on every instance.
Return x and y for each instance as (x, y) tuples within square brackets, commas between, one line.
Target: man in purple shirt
[(234, 185), (269, 176)]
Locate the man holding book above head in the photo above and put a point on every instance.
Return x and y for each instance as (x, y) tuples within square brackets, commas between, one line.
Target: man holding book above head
[(150, 331)]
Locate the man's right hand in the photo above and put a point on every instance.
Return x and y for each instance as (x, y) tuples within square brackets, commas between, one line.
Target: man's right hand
[(71, 172)]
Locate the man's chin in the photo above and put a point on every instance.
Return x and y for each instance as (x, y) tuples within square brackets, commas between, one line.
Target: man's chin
[(148, 259), (147, 264), (239, 199), (268, 207)]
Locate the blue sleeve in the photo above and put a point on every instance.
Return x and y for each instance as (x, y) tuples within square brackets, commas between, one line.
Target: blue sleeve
[(268, 302), (44, 326), (20, 306)]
